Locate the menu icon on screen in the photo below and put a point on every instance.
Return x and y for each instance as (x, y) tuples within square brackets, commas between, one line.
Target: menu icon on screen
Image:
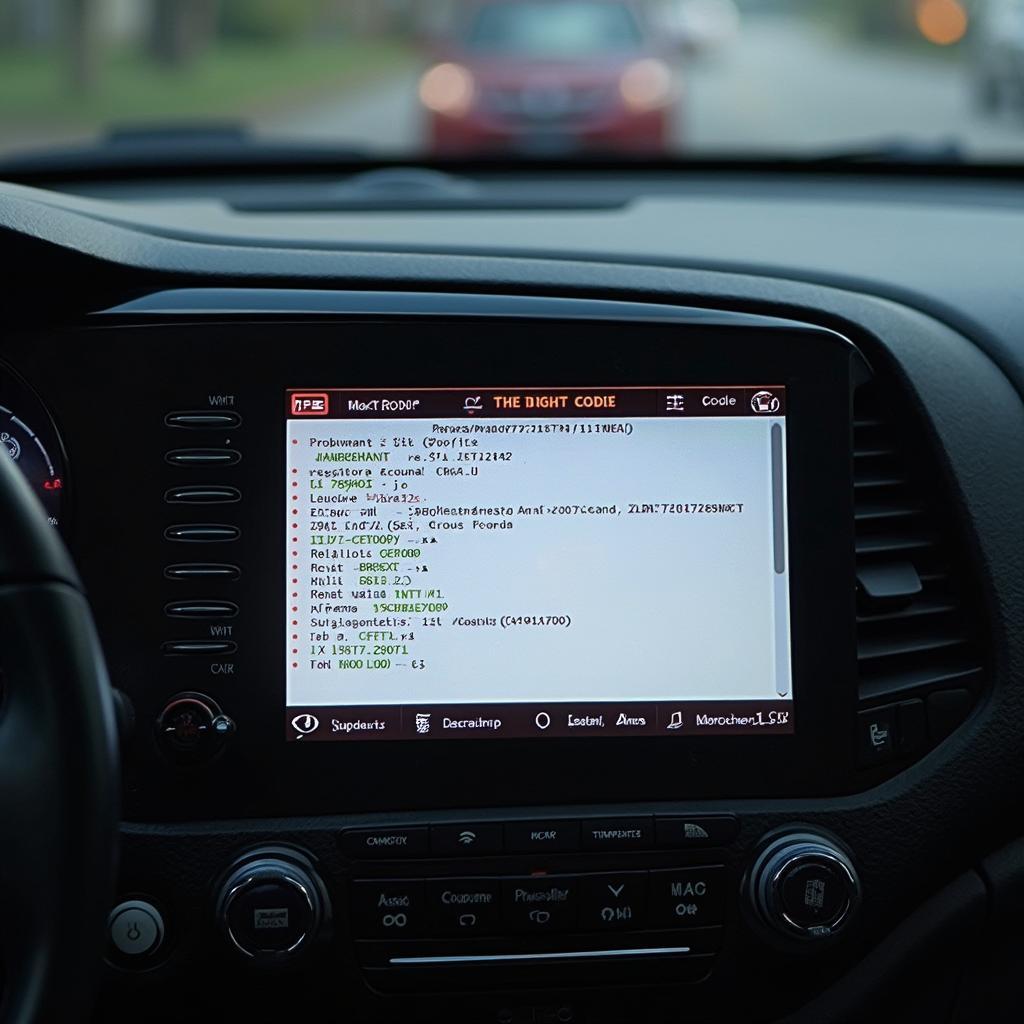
[(313, 403)]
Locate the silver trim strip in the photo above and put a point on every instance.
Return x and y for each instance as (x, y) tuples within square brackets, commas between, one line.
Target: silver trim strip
[(407, 961)]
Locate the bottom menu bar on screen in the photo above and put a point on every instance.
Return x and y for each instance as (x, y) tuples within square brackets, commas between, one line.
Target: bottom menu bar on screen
[(527, 721)]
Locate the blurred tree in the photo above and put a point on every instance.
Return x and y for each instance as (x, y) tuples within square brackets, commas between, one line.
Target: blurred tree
[(28, 23), (872, 19), (882, 18), (269, 20), (82, 34), (180, 30)]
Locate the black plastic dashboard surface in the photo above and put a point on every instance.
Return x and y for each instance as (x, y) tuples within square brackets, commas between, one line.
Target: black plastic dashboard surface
[(911, 834)]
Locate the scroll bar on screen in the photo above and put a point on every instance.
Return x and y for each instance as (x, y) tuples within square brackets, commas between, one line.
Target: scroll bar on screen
[(780, 580)]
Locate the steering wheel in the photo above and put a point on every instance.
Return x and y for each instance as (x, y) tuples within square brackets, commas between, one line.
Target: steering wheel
[(58, 773)]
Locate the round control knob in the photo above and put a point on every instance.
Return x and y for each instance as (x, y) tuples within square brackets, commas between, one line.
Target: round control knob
[(804, 886), (272, 904), (192, 728)]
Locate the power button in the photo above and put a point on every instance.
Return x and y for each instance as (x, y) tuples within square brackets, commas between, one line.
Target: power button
[(135, 929)]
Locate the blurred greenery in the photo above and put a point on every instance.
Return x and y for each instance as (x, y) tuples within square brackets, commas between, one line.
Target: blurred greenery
[(229, 79), (81, 65)]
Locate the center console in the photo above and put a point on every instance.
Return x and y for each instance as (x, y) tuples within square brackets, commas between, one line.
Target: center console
[(489, 646)]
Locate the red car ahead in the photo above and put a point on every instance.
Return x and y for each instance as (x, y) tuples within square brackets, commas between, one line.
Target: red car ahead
[(550, 77)]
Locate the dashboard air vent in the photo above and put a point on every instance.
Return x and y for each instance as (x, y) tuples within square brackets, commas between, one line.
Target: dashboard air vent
[(915, 634)]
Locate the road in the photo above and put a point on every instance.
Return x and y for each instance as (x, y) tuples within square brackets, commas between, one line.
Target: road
[(781, 85), (785, 85)]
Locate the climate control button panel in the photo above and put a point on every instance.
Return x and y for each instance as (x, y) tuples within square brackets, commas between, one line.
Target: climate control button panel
[(672, 898), (637, 891)]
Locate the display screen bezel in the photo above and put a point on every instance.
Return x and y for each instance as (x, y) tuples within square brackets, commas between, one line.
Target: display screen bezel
[(254, 359)]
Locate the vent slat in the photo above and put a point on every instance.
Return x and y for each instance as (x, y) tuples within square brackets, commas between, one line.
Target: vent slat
[(900, 684), (873, 648), (918, 610), (869, 511), (879, 480), (891, 543)]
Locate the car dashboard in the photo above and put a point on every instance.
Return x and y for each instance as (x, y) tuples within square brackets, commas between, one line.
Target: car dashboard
[(617, 620)]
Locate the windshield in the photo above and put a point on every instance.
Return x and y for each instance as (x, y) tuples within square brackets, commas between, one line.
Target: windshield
[(568, 31), (426, 79)]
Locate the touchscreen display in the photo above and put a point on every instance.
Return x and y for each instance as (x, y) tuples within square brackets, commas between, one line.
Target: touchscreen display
[(495, 563)]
